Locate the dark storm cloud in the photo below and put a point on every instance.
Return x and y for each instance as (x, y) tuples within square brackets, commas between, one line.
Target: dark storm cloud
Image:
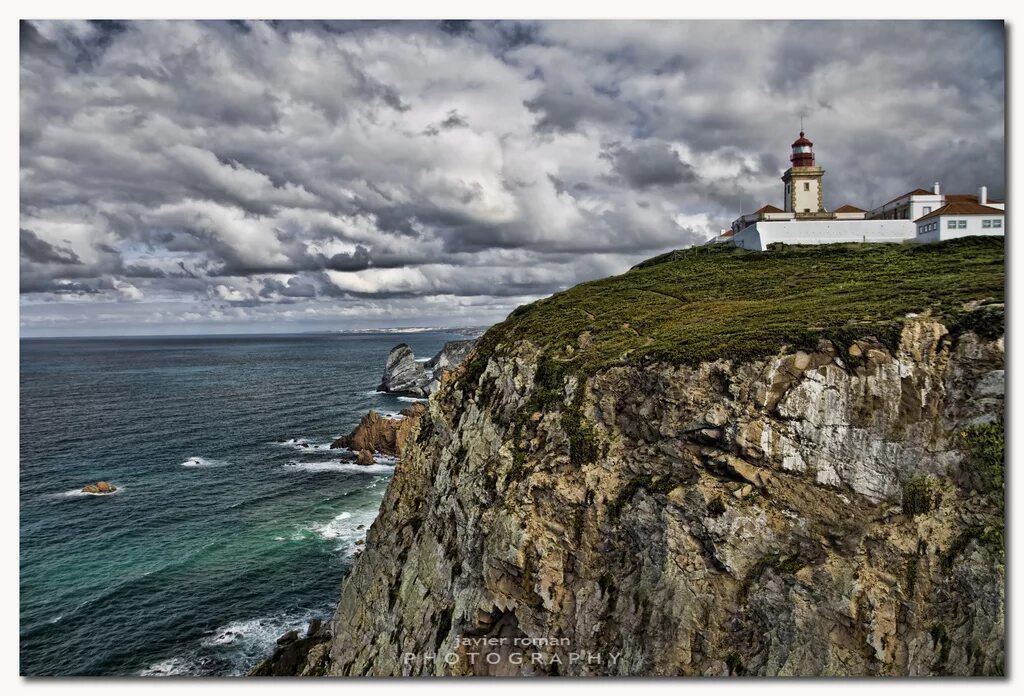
[(649, 164), (36, 250), (209, 172)]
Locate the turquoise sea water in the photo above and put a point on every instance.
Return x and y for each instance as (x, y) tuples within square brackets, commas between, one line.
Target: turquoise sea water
[(220, 537)]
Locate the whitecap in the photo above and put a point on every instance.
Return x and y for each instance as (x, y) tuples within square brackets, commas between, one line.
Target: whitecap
[(346, 529), (301, 444), (243, 644), (351, 467), (413, 399), (79, 493), (264, 630), (201, 462), (174, 667)]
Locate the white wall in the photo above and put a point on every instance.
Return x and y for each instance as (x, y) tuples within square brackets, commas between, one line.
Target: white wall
[(916, 205), (759, 235), (974, 228), (922, 205)]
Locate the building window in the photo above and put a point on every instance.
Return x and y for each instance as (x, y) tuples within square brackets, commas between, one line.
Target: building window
[(986, 224), (961, 224), (927, 209), (997, 223), (951, 224), (807, 210), (807, 186)]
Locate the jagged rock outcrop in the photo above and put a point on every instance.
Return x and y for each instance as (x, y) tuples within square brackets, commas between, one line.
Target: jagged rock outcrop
[(815, 512), (100, 487), (403, 374), (377, 433), (293, 656)]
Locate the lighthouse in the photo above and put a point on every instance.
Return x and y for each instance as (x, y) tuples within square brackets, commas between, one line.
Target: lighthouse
[(802, 181)]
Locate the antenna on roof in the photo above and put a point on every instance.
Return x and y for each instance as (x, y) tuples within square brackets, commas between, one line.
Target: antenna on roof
[(801, 123)]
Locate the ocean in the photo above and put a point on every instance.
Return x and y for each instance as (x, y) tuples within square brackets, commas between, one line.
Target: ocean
[(220, 537)]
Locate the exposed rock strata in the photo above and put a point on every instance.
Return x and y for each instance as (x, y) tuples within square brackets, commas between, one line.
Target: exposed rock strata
[(403, 374), (376, 433), (724, 518)]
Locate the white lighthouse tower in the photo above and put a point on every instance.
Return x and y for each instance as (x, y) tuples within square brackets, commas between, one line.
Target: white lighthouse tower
[(803, 193)]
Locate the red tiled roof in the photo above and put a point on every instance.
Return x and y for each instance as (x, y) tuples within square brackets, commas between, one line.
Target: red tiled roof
[(966, 198), (961, 209), (727, 233), (848, 209), (915, 192), (769, 208)]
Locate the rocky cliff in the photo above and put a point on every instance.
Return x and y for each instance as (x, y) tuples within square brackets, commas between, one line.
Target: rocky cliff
[(403, 374), (720, 463), (377, 433)]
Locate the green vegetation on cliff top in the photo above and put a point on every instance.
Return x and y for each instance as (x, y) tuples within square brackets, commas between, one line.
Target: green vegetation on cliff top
[(707, 303)]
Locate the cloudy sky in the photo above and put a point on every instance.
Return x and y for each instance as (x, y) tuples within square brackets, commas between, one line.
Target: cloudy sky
[(181, 177)]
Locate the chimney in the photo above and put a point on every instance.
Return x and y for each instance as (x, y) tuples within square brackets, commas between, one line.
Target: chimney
[(936, 190), (983, 195)]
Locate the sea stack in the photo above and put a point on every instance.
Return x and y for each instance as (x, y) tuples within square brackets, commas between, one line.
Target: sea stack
[(403, 374)]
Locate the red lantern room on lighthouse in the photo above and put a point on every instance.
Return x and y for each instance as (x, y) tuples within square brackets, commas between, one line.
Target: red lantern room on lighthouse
[(803, 152)]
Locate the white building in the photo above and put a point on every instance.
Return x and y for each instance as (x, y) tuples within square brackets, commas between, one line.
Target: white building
[(960, 220), (909, 206), (806, 221), (915, 204)]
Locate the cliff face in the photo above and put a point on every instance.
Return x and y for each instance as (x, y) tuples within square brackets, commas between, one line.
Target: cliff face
[(751, 518), (613, 486)]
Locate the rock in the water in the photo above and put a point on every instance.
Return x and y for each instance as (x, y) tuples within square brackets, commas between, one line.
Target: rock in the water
[(365, 458), (299, 657), (100, 487), (289, 637), (379, 434), (404, 375)]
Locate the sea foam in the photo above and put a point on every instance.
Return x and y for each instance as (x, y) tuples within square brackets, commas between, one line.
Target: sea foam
[(345, 529), (301, 444), (240, 643), (201, 462), (319, 467), (79, 493)]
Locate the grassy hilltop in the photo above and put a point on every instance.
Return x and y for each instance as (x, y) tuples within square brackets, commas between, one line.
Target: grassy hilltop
[(707, 303)]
